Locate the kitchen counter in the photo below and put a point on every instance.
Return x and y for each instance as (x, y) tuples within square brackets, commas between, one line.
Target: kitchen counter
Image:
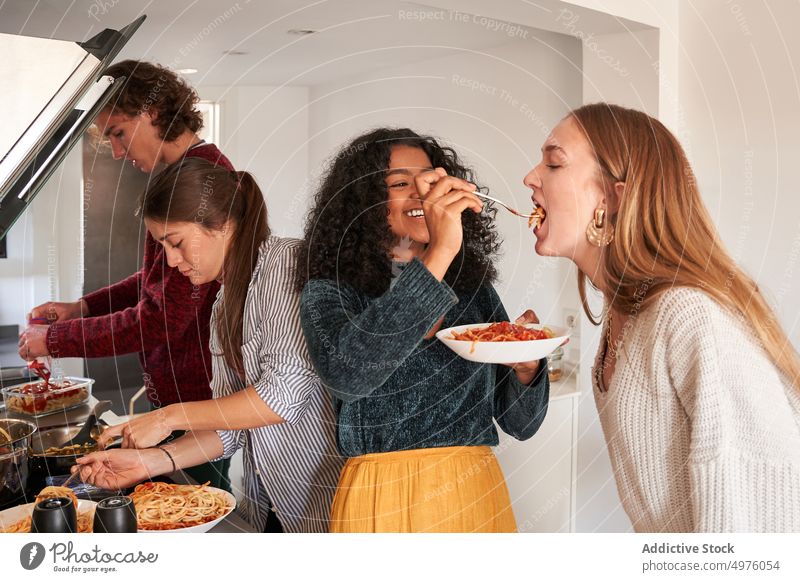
[(231, 524), (567, 386)]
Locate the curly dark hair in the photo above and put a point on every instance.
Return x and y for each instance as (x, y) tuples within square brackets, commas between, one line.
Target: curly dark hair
[(156, 89), (347, 235)]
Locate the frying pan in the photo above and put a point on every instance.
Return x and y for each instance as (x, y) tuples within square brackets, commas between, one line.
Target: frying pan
[(48, 463)]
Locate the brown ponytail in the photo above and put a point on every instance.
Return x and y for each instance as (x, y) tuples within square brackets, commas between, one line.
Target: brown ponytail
[(198, 191), (251, 231)]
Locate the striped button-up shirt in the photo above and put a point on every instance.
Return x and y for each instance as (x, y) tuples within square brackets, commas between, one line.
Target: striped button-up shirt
[(294, 466)]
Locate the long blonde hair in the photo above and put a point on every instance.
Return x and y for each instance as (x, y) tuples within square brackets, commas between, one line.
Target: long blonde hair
[(663, 234)]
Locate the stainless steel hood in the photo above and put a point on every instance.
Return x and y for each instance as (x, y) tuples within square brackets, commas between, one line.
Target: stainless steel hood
[(52, 91)]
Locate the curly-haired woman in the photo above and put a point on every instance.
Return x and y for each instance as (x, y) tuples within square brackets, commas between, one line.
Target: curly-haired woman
[(397, 246), (156, 312)]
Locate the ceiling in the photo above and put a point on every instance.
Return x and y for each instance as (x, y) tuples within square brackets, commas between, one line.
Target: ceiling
[(353, 36)]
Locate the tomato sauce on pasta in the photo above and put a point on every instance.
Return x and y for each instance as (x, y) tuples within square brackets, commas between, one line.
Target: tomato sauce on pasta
[(503, 331)]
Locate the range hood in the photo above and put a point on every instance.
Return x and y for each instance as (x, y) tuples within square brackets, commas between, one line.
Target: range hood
[(53, 90)]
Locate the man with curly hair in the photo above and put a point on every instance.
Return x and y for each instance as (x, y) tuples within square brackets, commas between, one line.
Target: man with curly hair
[(156, 312)]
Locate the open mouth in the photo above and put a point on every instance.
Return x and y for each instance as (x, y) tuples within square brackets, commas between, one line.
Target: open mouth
[(537, 217), (416, 213)]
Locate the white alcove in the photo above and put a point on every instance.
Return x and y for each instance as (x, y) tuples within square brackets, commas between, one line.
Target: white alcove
[(490, 80)]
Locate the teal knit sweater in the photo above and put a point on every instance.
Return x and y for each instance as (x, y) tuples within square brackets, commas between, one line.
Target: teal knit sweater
[(394, 390)]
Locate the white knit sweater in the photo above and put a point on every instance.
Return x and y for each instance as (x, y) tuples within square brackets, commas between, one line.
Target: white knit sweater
[(702, 430)]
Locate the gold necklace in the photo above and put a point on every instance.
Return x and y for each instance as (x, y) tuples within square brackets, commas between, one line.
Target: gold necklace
[(609, 353), (611, 347)]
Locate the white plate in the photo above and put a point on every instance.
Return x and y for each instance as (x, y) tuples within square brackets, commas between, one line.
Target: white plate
[(203, 527), (502, 352), (14, 514)]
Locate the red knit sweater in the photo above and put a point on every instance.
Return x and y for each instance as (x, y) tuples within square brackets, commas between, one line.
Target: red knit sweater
[(157, 312)]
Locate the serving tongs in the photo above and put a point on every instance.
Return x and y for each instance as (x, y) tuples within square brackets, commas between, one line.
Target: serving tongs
[(41, 369), (71, 478), (85, 435), (41, 366)]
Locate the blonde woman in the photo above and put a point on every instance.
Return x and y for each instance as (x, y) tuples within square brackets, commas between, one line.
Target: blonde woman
[(696, 384)]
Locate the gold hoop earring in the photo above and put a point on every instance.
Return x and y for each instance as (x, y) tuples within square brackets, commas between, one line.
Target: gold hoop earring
[(599, 232)]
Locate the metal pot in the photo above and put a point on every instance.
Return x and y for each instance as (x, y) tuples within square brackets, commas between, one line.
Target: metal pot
[(14, 461)]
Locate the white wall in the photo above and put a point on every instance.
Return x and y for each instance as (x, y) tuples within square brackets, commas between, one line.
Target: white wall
[(740, 96), (520, 90), (618, 68), (17, 276), (44, 250), (622, 68), (495, 107), (264, 130)]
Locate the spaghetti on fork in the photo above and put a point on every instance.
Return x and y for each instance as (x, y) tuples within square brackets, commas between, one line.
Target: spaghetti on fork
[(537, 216)]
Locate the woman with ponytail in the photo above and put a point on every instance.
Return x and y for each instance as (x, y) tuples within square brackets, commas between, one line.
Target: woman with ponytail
[(697, 385), (212, 223)]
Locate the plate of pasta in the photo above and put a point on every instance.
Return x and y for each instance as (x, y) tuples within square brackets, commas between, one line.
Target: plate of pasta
[(18, 519), (168, 507), (503, 342)]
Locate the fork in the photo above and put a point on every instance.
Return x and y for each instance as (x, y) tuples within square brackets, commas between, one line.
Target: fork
[(75, 475), (503, 204), (43, 367)]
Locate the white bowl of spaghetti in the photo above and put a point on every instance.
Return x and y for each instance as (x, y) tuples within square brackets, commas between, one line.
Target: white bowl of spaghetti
[(503, 342), (165, 507)]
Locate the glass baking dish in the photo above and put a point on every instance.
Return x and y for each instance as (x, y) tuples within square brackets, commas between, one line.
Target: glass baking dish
[(35, 398)]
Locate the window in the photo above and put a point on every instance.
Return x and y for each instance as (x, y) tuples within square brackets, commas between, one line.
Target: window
[(210, 130)]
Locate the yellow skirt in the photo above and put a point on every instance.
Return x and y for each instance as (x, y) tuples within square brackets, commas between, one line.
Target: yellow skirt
[(448, 489)]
